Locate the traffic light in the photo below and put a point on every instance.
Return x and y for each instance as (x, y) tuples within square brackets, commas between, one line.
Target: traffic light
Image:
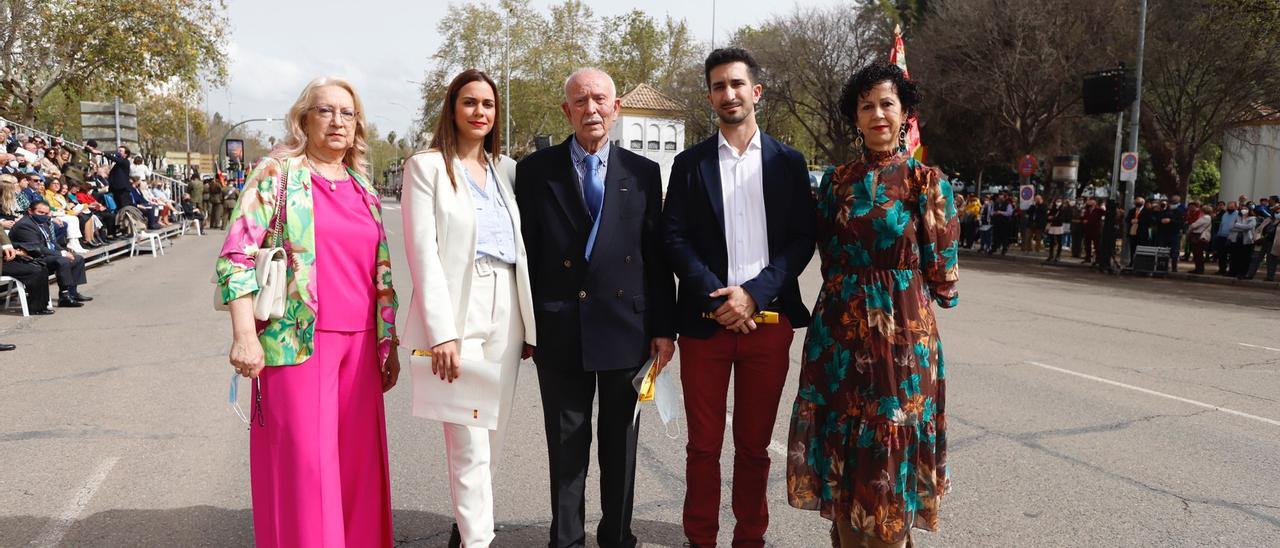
[(1109, 91)]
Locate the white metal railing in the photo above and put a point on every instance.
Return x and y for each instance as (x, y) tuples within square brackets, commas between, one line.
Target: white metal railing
[(176, 187)]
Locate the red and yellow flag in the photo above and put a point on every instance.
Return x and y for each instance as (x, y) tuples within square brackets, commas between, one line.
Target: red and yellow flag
[(898, 56)]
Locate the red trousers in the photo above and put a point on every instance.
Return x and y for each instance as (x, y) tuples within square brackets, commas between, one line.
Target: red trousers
[(758, 362)]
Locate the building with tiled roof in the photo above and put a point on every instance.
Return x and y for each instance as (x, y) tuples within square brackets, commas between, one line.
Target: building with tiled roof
[(650, 125)]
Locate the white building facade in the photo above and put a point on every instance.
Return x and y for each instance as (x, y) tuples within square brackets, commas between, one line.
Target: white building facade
[(649, 125), (1251, 161)]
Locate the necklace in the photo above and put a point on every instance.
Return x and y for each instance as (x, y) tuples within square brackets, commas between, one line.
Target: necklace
[(332, 184)]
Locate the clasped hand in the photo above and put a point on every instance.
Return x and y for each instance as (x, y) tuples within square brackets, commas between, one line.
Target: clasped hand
[(737, 311)]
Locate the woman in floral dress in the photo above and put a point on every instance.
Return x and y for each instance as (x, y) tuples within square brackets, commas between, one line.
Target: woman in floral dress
[(867, 447)]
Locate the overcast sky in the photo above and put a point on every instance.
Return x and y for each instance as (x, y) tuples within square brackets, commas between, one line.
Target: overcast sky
[(383, 47)]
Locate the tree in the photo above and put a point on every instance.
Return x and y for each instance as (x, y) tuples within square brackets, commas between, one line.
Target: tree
[(805, 57), (117, 47), (1012, 67), (1202, 79), (543, 49), (635, 49), (163, 120)]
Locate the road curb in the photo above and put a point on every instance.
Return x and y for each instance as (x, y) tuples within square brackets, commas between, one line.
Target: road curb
[(1075, 263)]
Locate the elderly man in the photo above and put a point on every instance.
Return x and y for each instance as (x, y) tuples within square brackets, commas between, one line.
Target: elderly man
[(603, 298)]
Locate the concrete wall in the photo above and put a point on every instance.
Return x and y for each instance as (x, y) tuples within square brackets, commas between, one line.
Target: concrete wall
[(1251, 162)]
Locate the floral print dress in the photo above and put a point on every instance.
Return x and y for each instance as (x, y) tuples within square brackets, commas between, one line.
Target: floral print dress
[(868, 429)]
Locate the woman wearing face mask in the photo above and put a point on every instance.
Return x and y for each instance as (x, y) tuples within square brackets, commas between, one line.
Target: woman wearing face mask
[(1059, 219), (1200, 233), (868, 433), (1241, 238), (318, 440), (471, 304)]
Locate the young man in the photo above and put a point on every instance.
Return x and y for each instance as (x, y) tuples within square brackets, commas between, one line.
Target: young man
[(739, 228)]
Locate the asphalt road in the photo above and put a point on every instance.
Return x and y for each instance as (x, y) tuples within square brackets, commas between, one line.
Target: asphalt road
[(1083, 411)]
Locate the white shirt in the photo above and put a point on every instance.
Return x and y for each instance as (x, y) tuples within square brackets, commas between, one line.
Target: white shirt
[(745, 229)]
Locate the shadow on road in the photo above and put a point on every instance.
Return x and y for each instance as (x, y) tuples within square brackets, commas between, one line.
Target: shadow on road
[(196, 526), (1093, 281)]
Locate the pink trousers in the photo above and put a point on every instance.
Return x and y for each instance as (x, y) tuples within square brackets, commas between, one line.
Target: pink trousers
[(318, 458)]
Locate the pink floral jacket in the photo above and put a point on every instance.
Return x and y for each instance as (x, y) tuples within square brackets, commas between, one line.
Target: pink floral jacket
[(289, 340)]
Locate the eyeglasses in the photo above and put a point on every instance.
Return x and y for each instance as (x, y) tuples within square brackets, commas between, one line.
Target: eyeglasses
[(326, 113)]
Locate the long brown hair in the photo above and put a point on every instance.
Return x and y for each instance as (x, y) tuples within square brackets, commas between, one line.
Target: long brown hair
[(445, 138)]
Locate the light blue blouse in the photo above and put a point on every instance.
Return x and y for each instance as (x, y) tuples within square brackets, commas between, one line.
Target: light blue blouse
[(495, 234)]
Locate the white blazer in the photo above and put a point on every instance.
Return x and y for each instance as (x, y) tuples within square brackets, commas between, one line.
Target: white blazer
[(440, 244)]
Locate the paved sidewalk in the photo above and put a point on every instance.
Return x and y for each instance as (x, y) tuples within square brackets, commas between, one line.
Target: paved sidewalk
[(1067, 261)]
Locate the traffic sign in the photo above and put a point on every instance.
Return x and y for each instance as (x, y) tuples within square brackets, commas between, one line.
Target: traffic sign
[(1027, 165), (1129, 166), (1026, 193)]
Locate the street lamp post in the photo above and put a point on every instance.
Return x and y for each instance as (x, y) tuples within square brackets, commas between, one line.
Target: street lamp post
[(223, 142)]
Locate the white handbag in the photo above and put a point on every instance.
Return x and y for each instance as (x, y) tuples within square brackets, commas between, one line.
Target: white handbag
[(271, 265), (472, 399)]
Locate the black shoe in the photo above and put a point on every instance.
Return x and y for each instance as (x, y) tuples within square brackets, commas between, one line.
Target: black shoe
[(81, 298), (45, 312), (68, 302), (455, 537), (7, 347)]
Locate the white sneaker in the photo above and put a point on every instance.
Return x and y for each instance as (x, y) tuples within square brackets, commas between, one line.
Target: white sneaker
[(75, 246)]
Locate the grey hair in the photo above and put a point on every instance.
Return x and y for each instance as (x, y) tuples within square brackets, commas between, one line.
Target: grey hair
[(588, 70)]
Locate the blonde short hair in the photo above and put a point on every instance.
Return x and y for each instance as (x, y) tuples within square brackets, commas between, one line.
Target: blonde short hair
[(295, 141)]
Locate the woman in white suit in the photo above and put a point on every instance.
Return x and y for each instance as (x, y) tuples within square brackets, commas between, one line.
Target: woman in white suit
[(471, 311)]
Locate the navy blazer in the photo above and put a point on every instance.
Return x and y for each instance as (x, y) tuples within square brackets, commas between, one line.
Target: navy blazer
[(27, 236), (694, 233), (597, 315)]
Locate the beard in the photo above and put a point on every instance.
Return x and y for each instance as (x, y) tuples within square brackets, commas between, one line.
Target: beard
[(744, 111)]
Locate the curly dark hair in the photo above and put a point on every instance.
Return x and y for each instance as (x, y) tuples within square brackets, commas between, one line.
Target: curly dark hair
[(870, 76)]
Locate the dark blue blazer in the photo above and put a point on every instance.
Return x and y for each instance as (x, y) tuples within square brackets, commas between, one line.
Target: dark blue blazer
[(694, 234), (597, 315)]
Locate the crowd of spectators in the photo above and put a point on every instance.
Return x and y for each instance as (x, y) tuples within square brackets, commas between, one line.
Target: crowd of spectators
[(60, 202), (1239, 236)]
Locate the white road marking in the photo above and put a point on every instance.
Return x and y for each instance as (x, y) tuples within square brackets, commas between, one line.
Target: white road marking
[(1262, 347), (775, 446), (1265, 420), (58, 527)]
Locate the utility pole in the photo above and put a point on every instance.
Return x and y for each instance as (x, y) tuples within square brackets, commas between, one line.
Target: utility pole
[(186, 125), (713, 24), (1137, 102), (506, 85)]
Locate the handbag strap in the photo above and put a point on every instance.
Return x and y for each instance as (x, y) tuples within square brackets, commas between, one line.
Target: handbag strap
[(277, 217)]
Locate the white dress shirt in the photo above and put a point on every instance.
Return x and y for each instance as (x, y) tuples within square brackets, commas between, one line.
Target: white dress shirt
[(745, 229)]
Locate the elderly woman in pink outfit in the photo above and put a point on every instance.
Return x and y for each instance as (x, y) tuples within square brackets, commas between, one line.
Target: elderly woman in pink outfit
[(318, 443)]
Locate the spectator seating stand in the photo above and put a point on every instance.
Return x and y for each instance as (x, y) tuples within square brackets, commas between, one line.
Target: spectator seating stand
[(9, 287)]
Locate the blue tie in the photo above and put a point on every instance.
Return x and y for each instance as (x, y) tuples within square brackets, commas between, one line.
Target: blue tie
[(593, 193), (592, 186)]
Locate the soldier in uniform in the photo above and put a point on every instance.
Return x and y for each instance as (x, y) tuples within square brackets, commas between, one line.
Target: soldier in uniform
[(213, 199), (195, 189)]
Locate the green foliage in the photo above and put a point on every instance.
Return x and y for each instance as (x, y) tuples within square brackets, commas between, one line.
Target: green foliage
[(545, 47), (1206, 177), (108, 47)]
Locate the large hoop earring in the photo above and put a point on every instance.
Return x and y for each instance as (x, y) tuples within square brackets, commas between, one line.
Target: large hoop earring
[(902, 139)]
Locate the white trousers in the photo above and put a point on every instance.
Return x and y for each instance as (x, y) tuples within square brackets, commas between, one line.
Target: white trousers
[(73, 226), (494, 333)]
